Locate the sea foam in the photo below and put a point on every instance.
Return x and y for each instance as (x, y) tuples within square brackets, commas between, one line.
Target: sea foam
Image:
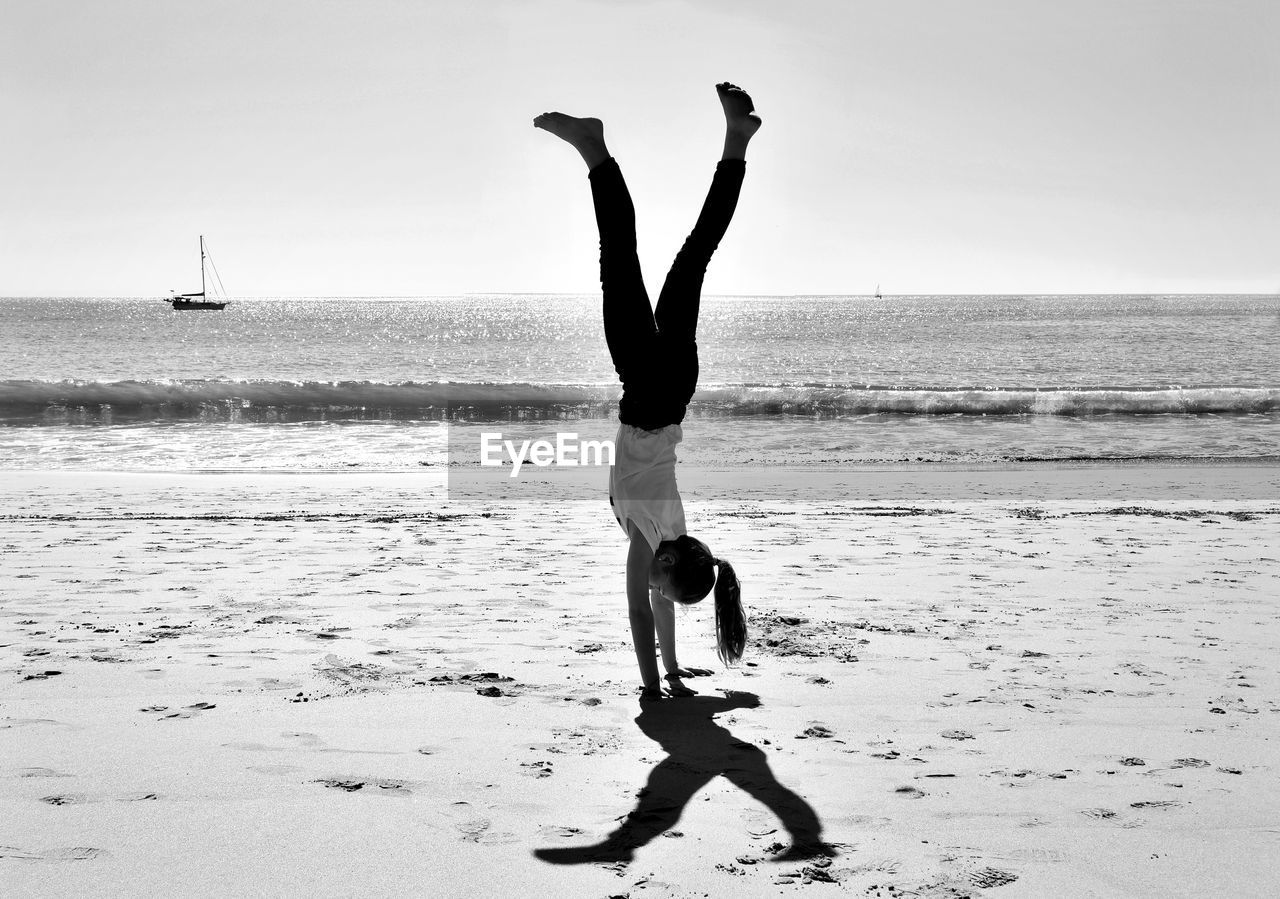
[(35, 400)]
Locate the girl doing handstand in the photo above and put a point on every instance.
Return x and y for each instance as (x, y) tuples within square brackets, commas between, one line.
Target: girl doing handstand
[(656, 357)]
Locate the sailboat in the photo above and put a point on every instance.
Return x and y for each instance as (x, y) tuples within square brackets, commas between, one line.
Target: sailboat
[(878, 297), (199, 300)]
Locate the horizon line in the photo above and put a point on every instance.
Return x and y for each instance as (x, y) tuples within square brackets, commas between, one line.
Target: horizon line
[(539, 293)]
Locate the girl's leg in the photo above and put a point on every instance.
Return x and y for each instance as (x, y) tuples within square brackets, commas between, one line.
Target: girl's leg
[(628, 319), (629, 327), (640, 612), (677, 313)]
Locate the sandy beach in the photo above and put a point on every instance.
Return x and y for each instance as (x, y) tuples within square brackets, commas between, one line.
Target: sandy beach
[(1049, 681)]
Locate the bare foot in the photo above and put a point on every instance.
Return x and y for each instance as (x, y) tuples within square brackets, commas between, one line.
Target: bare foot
[(584, 135), (739, 111), (740, 120)]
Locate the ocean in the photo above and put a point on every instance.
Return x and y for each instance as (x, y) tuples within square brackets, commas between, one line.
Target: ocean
[(376, 384)]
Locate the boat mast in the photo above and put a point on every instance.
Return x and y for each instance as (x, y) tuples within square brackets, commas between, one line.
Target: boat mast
[(202, 265)]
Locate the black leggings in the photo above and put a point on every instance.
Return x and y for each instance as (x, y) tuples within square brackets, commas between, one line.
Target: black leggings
[(656, 353)]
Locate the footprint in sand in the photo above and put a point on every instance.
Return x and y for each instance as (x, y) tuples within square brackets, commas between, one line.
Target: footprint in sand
[(279, 770), (759, 824), (67, 854), (349, 785), (63, 799), (816, 872), (40, 772), (190, 711), (355, 677), (382, 786), (878, 866), (250, 746), (474, 829), (987, 878), (1100, 813), (478, 829), (80, 798), (1034, 855)]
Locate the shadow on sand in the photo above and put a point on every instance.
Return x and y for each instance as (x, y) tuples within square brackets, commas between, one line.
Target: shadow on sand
[(699, 750)]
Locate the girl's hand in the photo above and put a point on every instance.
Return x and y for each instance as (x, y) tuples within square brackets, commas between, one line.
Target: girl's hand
[(676, 687), (691, 672)]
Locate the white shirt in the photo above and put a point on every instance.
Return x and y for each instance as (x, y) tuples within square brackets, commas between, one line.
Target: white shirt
[(642, 482)]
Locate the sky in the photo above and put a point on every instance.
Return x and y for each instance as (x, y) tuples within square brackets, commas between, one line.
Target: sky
[(386, 147)]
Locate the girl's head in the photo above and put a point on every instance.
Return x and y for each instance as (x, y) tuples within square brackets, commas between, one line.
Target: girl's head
[(684, 570)]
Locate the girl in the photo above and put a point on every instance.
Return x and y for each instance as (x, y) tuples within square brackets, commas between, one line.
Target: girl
[(656, 357)]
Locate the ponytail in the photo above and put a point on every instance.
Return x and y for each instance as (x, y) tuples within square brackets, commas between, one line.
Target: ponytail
[(731, 620)]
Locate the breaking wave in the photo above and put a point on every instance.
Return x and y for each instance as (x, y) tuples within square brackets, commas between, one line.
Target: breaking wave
[(270, 400)]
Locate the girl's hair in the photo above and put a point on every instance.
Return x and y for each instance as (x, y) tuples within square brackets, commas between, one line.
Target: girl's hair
[(693, 574), (731, 620)]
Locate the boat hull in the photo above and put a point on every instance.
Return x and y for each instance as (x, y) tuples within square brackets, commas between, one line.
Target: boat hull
[(182, 305)]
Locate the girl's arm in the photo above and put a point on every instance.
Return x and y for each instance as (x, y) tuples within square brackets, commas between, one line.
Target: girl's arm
[(639, 559), (664, 620)]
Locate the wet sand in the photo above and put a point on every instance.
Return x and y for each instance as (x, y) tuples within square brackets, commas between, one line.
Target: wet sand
[(963, 682)]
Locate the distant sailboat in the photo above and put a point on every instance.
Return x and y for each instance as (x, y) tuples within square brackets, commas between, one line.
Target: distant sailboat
[(199, 300), (878, 297)]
